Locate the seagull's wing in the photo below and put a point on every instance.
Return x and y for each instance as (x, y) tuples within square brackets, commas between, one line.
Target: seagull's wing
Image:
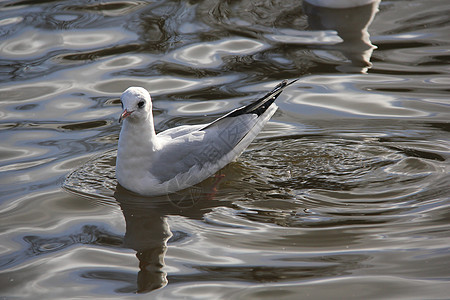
[(202, 151), (205, 149)]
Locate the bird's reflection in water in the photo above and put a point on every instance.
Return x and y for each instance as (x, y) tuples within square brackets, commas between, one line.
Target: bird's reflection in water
[(147, 229), (351, 24)]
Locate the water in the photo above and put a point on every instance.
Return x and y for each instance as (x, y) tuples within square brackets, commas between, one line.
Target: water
[(345, 194)]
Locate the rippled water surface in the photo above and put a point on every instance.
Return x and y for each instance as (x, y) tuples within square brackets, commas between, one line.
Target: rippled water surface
[(345, 193)]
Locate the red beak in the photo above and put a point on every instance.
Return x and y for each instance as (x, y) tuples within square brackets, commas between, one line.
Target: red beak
[(124, 114)]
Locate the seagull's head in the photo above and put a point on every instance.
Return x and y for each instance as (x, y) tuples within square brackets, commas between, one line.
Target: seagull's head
[(136, 104)]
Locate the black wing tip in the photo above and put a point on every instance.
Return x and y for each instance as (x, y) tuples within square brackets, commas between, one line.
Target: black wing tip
[(282, 85), (262, 104), (286, 83), (259, 106)]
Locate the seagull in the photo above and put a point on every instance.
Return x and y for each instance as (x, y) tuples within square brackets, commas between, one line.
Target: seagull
[(153, 164)]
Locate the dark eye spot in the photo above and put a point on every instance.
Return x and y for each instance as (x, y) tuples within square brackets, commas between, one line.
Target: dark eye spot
[(141, 104), (121, 103)]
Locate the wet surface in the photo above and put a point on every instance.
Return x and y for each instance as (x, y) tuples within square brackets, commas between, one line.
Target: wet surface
[(345, 193)]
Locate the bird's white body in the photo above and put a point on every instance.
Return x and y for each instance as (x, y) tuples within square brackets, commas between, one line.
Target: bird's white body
[(155, 164)]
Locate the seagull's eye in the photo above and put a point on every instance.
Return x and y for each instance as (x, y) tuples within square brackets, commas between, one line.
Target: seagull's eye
[(141, 104), (121, 103)]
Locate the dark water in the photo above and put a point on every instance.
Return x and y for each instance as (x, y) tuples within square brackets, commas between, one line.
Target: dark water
[(345, 194)]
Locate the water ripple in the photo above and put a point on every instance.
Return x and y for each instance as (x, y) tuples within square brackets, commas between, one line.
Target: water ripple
[(346, 189)]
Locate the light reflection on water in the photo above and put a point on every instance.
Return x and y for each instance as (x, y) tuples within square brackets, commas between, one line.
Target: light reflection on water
[(346, 189)]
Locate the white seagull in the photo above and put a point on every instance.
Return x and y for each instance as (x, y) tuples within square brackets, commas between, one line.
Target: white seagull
[(156, 164)]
